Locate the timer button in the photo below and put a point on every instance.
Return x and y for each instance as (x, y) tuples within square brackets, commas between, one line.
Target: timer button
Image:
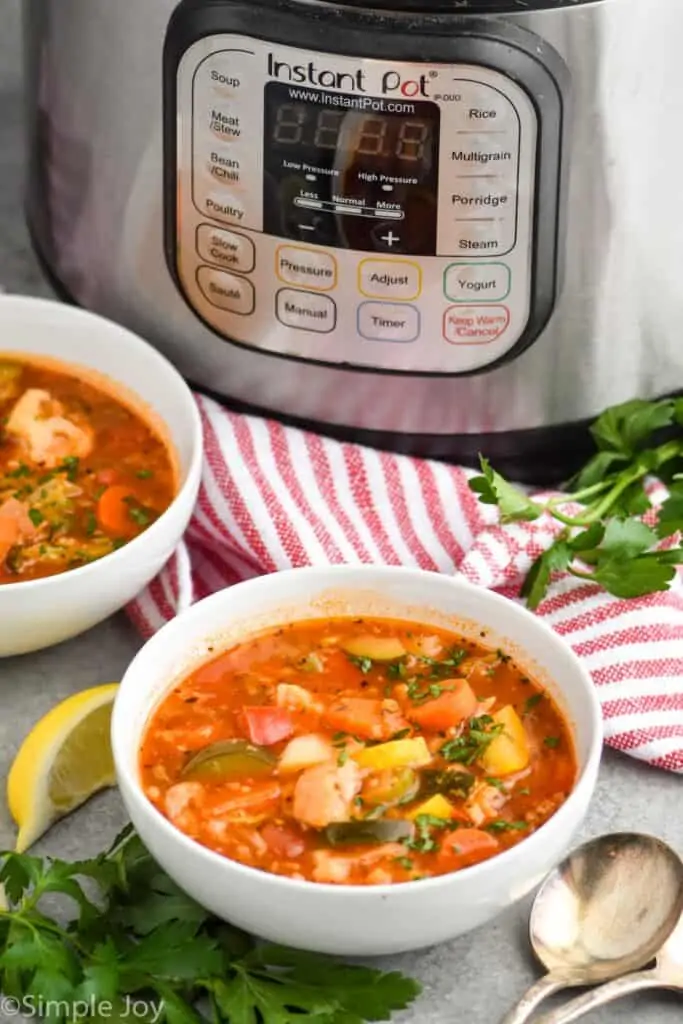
[(390, 279), (308, 311), (387, 321), (475, 325), (227, 291), (309, 268), (226, 248)]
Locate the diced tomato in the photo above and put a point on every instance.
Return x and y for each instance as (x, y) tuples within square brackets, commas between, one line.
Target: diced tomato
[(283, 841), (449, 709), (107, 477), (366, 718), (268, 725), (467, 846)]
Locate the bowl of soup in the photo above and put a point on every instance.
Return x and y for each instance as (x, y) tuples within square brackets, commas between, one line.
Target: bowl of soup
[(100, 465), (357, 760)]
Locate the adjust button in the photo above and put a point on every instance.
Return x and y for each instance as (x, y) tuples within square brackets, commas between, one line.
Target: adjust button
[(310, 268), (227, 291), (476, 282), (308, 311), (390, 279), (226, 248), (387, 321), (475, 325)]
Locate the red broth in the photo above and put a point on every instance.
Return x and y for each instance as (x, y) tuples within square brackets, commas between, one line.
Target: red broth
[(80, 472), (358, 751)]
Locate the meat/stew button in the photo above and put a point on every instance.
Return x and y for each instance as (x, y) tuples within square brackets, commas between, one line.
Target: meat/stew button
[(389, 279)]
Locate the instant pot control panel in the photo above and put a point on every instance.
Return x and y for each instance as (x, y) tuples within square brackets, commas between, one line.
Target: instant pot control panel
[(380, 214)]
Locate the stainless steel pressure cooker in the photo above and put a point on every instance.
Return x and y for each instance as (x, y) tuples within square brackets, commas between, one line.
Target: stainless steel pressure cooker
[(438, 226)]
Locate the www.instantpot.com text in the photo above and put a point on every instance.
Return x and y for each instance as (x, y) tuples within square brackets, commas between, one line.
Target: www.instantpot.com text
[(375, 104)]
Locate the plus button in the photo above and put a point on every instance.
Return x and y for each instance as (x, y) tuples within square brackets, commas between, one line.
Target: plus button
[(390, 238)]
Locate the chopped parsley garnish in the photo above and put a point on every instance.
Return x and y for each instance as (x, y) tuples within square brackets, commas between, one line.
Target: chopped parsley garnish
[(343, 758), (70, 464), (419, 695), (90, 522), (422, 840), (497, 784), (502, 656), (21, 470), (469, 747), (552, 742), (137, 514), (364, 664), (506, 826), (36, 516), (401, 734), (524, 792), (144, 474), (405, 862), (531, 702)]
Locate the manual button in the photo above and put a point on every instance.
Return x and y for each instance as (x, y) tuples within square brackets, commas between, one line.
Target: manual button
[(308, 311), (390, 279), (227, 291), (224, 248)]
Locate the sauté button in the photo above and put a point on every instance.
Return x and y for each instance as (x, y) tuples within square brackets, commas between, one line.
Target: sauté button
[(227, 291), (391, 279), (308, 267), (474, 325), (388, 321), (226, 248), (308, 311), (480, 282)]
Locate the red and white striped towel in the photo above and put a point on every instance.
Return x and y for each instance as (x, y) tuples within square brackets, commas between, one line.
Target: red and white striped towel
[(274, 497)]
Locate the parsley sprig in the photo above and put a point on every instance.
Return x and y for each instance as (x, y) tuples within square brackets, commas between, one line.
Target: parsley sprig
[(605, 541), (136, 935)]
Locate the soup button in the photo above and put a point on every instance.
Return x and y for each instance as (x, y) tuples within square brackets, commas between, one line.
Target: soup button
[(227, 291)]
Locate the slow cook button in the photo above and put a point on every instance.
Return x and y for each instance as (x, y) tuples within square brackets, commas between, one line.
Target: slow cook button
[(226, 248), (227, 291), (483, 282), (311, 268), (308, 311), (474, 325), (387, 321), (389, 279)]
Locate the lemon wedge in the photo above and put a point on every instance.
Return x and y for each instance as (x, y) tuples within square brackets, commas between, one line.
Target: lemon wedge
[(63, 761)]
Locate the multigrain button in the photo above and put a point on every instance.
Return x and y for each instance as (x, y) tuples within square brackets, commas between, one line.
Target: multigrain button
[(226, 248), (308, 311), (390, 279), (474, 325), (480, 282), (387, 321), (309, 268), (227, 291)]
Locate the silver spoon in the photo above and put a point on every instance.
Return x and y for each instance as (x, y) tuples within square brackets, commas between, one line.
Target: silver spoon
[(667, 973), (606, 910)]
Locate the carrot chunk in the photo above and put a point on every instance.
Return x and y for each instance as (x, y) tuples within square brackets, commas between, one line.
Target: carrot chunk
[(449, 709), (467, 846), (113, 512)]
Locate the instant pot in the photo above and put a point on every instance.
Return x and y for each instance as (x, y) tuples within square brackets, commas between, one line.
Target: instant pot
[(436, 227)]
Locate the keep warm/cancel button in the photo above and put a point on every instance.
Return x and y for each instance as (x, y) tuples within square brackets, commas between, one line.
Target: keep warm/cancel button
[(474, 325)]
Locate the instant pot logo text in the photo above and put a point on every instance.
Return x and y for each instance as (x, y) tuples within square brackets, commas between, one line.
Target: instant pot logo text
[(392, 83)]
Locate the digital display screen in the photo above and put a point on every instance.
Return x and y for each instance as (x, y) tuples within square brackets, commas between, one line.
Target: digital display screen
[(355, 172)]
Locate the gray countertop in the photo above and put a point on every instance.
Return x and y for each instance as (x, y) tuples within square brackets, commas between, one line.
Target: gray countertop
[(474, 979)]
